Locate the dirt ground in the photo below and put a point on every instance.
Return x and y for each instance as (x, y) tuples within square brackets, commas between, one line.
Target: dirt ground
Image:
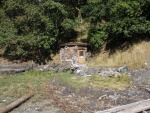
[(64, 99)]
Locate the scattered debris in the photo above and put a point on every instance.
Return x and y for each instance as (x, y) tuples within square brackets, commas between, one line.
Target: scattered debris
[(103, 97)]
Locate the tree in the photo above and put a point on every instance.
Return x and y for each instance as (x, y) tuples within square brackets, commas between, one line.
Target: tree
[(33, 29), (122, 21), (38, 26), (7, 30)]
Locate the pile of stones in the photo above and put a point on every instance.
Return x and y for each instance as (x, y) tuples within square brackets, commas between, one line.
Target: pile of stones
[(76, 68), (83, 70)]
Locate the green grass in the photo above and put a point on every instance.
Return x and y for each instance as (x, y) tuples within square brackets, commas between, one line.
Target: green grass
[(95, 81), (76, 82), (36, 82), (118, 83), (19, 84)]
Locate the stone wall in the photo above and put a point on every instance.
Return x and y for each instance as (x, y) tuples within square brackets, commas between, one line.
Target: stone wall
[(70, 53)]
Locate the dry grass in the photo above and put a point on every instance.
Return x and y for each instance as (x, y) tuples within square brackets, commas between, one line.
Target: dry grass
[(56, 59), (137, 56)]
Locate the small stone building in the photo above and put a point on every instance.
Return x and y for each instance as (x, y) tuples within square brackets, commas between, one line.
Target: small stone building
[(75, 52)]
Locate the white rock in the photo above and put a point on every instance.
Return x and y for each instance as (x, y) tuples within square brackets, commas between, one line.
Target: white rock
[(4, 101)]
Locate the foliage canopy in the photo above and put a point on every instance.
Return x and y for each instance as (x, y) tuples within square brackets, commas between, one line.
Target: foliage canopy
[(33, 29)]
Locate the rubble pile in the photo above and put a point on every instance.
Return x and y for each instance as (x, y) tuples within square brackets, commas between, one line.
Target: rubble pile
[(83, 70)]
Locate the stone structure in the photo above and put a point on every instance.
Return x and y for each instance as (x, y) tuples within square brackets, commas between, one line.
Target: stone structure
[(74, 52)]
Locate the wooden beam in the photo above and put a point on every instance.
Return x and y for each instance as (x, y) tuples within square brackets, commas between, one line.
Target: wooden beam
[(129, 108), (15, 104)]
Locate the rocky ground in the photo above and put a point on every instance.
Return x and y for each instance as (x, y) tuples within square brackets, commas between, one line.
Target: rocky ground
[(64, 99)]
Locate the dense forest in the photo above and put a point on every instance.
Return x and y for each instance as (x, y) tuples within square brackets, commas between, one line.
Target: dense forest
[(33, 29)]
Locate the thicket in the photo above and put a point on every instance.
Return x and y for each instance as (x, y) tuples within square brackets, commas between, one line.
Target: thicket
[(118, 23), (33, 29)]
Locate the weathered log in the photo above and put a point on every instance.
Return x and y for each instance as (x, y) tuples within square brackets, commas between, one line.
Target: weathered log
[(16, 103), (137, 108), (129, 108)]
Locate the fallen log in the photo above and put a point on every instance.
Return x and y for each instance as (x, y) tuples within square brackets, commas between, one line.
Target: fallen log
[(15, 104), (129, 108)]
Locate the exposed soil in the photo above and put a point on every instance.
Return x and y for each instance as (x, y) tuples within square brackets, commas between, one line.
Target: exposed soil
[(64, 99)]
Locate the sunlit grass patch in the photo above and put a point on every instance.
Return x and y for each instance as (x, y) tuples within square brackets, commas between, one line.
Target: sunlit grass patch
[(95, 81), (111, 83)]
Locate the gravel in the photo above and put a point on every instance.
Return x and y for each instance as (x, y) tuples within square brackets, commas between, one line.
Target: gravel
[(45, 106)]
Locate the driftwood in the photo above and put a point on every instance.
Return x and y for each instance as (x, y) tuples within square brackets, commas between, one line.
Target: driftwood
[(15, 104), (129, 108)]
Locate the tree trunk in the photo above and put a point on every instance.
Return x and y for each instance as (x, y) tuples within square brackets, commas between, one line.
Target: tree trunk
[(79, 14)]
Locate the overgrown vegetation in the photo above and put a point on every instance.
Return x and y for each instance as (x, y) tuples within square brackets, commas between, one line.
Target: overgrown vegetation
[(135, 57), (38, 82), (33, 29), (118, 23)]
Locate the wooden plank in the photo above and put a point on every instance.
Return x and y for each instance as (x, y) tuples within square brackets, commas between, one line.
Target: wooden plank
[(137, 108), (16, 103), (129, 108)]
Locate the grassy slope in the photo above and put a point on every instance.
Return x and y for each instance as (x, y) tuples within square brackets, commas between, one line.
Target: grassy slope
[(135, 57)]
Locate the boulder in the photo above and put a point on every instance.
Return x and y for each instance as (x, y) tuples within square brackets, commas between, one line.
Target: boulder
[(82, 69), (107, 74), (79, 69), (92, 71)]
